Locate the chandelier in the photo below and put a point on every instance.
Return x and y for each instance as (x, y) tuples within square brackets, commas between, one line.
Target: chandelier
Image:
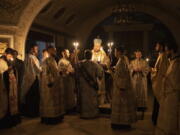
[(123, 12)]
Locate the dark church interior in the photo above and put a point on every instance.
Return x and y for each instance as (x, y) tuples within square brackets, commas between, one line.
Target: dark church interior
[(89, 67)]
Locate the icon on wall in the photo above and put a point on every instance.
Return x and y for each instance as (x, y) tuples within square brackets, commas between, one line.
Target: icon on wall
[(5, 42)]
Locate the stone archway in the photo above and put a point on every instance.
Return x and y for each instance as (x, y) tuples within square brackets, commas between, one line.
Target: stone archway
[(169, 20), (26, 19), (34, 7)]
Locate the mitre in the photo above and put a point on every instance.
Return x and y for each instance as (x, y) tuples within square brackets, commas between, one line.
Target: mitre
[(97, 41)]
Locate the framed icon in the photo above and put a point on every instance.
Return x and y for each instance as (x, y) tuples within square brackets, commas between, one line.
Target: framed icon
[(5, 42)]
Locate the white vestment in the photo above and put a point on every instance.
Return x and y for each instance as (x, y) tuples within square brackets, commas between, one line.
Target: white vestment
[(32, 70), (169, 113), (139, 81), (123, 99), (158, 74), (65, 67), (102, 59)]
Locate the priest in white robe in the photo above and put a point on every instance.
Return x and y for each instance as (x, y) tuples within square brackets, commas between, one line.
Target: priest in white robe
[(67, 71), (139, 70), (169, 112), (123, 99), (157, 75), (30, 84)]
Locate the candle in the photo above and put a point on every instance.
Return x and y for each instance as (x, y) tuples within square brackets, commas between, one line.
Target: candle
[(147, 59), (11, 59), (75, 44), (110, 45)]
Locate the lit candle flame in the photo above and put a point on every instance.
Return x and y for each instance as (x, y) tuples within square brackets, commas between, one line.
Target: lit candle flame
[(75, 44), (11, 59), (110, 44), (147, 59)]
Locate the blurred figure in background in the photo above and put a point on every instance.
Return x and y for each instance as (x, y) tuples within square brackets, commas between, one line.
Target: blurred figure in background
[(45, 55)]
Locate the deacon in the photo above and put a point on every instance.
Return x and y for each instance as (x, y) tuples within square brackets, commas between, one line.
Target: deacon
[(169, 112), (51, 92), (139, 69), (30, 84), (89, 73), (123, 99), (66, 69)]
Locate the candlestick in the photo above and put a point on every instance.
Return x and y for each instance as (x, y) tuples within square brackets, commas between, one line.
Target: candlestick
[(110, 45)]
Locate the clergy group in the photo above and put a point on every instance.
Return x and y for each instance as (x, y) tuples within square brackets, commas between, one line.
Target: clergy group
[(62, 83)]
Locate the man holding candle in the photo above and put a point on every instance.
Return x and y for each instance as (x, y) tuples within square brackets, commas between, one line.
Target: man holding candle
[(99, 55), (67, 71), (139, 69)]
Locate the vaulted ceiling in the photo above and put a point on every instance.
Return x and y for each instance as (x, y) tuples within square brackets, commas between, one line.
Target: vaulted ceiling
[(70, 14)]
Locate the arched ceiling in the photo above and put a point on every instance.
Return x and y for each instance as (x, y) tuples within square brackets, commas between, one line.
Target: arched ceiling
[(70, 14), (75, 17), (10, 11)]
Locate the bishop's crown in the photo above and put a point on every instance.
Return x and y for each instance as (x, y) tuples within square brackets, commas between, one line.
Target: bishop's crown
[(97, 41)]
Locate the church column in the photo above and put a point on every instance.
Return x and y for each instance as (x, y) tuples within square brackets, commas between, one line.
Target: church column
[(145, 42)]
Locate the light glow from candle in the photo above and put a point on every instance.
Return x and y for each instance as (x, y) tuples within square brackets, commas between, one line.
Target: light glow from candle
[(110, 45), (147, 59), (76, 44)]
